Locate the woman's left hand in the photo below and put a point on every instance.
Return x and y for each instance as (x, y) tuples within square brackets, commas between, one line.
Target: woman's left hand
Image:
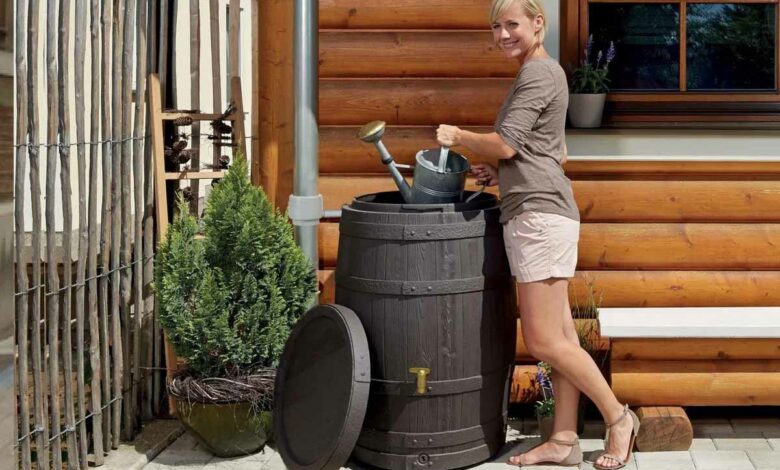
[(448, 136)]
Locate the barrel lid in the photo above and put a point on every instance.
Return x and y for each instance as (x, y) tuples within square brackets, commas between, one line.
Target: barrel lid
[(321, 389)]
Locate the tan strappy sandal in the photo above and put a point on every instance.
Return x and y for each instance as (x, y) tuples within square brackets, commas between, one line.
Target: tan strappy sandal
[(573, 459), (621, 462)]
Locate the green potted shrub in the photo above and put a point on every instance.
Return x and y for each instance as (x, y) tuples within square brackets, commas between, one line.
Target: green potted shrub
[(589, 86), (227, 301)]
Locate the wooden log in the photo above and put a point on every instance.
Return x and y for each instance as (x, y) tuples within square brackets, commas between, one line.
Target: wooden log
[(619, 201), (117, 310), (653, 246), (52, 276), (663, 429), (272, 163), (139, 128), (662, 289), (679, 246), (524, 388), (401, 101), (651, 349), (64, 129), (412, 14), (521, 351), (342, 153), (382, 53), (22, 282), (95, 336), (327, 286), (106, 219), (81, 261), (678, 288), (697, 383)]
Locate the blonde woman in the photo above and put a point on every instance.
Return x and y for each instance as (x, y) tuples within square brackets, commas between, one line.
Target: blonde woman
[(524, 157)]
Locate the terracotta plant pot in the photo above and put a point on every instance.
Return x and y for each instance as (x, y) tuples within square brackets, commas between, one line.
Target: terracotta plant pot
[(586, 109), (226, 430)]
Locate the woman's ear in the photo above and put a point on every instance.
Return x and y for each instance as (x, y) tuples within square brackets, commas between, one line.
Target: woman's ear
[(538, 23)]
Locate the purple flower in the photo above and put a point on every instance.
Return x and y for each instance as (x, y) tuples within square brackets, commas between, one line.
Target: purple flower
[(610, 53), (598, 58), (588, 47)]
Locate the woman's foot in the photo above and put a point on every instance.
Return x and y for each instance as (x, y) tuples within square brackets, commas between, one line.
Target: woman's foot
[(554, 451), (617, 443)]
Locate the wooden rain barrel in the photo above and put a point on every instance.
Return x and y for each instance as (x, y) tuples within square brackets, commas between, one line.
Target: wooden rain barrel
[(431, 286)]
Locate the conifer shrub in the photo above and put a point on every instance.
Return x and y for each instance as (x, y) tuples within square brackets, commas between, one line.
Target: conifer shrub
[(227, 302)]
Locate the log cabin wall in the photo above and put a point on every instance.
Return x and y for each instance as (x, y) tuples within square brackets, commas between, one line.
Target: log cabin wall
[(654, 233)]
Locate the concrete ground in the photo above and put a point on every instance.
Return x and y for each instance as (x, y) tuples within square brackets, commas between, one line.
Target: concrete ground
[(719, 444)]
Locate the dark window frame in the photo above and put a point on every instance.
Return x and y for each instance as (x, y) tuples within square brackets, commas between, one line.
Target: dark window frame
[(728, 109)]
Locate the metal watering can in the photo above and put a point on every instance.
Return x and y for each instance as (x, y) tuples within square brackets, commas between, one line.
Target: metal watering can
[(439, 174)]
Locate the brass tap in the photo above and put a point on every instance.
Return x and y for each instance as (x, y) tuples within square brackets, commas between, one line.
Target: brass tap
[(422, 378)]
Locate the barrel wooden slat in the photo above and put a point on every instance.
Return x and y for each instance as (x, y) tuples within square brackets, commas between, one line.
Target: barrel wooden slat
[(342, 153), (653, 349), (438, 14), (697, 383), (621, 201), (412, 54), (653, 246), (408, 294), (430, 101)]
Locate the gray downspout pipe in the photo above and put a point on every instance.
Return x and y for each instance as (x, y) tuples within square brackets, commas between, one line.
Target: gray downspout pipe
[(305, 205)]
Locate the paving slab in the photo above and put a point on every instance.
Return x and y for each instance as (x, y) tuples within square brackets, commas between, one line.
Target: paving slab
[(712, 427), (756, 425), (702, 443), (678, 460), (742, 442), (154, 438), (765, 459), (721, 460)]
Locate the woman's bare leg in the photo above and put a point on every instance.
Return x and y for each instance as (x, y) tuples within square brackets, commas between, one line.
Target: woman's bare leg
[(541, 304)]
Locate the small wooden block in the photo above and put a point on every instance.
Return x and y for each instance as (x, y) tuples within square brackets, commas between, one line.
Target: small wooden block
[(663, 428)]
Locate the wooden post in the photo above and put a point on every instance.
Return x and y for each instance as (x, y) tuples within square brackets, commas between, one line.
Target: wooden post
[(195, 100), (234, 38), (63, 59), (106, 220), (52, 277), (272, 165), (81, 263), (138, 172), (22, 283), (116, 224), (96, 398), (216, 77), (239, 134), (128, 386), (664, 428)]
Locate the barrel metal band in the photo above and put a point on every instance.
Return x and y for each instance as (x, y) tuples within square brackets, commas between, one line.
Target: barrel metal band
[(438, 387), (458, 459), (382, 440), (375, 231), (417, 288)]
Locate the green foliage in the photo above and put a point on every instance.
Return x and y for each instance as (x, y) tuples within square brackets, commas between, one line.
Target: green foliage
[(228, 301), (592, 77), (545, 407), (588, 331)]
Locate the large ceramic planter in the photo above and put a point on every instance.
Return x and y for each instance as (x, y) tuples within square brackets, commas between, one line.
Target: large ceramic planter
[(226, 430), (586, 109)]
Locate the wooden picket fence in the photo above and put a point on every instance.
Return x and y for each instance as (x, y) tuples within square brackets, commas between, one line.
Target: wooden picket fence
[(89, 348)]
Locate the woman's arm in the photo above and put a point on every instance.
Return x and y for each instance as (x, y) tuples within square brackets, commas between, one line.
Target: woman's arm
[(491, 147)]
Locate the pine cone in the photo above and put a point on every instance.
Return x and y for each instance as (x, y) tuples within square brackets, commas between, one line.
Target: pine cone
[(221, 127), (182, 121)]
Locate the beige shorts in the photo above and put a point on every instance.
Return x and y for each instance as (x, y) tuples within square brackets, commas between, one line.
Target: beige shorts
[(541, 246)]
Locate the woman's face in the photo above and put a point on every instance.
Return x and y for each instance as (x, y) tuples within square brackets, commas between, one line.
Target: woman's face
[(515, 33)]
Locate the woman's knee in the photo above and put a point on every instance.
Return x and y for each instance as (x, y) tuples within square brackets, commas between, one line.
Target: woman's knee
[(544, 349)]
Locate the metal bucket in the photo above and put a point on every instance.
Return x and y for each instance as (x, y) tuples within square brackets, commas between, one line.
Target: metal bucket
[(432, 187)]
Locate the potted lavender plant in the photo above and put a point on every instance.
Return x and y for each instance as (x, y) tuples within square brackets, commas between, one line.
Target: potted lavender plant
[(545, 408), (589, 86)]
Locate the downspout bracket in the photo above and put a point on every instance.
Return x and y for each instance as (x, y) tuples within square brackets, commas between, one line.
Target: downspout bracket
[(305, 210)]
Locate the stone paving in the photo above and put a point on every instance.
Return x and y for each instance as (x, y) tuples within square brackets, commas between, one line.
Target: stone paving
[(719, 444)]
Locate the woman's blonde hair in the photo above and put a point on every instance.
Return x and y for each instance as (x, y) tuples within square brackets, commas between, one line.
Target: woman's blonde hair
[(532, 8)]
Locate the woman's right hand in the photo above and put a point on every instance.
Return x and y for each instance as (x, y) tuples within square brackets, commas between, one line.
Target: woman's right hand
[(486, 174)]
